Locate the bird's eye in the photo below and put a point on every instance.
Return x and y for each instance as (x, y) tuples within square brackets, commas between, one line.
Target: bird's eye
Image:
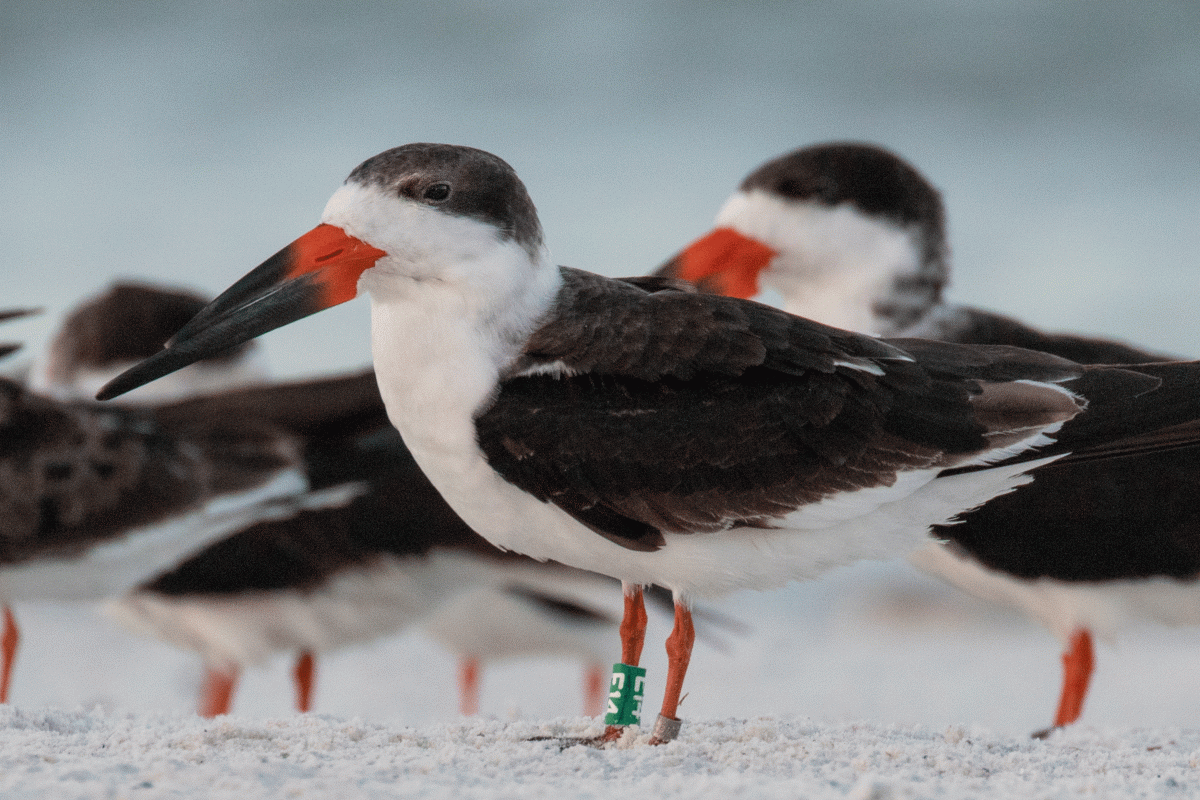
[(436, 193)]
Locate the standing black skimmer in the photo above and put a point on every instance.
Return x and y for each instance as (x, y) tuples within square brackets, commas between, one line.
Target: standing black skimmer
[(663, 436), (110, 332), (366, 550), (851, 234), (94, 499)]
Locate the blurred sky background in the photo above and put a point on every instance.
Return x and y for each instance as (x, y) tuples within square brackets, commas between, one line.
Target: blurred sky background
[(188, 141)]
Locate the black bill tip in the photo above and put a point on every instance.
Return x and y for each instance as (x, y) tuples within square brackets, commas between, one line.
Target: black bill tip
[(164, 362), (263, 311)]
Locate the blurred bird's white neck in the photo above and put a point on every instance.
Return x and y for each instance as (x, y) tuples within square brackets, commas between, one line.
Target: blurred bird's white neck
[(835, 265)]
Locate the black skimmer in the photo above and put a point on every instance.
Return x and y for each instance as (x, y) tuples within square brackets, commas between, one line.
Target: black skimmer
[(108, 333), (330, 567), (95, 499), (851, 234), (653, 434)]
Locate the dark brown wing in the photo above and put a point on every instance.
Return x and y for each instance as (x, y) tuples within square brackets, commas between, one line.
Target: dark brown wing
[(966, 325), (1122, 504), (72, 475), (694, 413), (1130, 409), (617, 328), (1125, 516), (337, 406), (396, 512)]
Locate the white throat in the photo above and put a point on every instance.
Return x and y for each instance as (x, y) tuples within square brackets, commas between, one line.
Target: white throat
[(835, 264), (452, 303)]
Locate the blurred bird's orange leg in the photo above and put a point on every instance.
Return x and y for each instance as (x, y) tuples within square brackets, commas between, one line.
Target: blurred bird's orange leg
[(633, 636), (679, 655), (217, 694), (593, 690), (8, 651), (468, 686), (1078, 662), (304, 673)]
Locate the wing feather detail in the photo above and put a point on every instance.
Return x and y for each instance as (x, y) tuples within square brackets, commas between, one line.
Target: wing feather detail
[(678, 412)]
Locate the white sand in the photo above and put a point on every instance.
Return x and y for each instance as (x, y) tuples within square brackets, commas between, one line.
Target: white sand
[(875, 683)]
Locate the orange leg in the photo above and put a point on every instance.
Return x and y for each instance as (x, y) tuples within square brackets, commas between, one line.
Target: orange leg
[(304, 674), (594, 690), (8, 651), (679, 655), (468, 686), (633, 636), (217, 695), (633, 626), (1078, 662)]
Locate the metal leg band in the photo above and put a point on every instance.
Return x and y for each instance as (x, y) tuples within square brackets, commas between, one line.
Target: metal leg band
[(666, 729)]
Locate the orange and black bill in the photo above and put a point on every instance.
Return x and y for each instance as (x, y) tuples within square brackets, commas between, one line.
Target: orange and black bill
[(721, 262), (318, 270)]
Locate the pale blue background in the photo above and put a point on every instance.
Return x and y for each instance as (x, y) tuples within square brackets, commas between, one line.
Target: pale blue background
[(187, 141)]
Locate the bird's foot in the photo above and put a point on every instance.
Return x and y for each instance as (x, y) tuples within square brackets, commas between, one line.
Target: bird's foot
[(666, 729), (611, 735), (1044, 733)]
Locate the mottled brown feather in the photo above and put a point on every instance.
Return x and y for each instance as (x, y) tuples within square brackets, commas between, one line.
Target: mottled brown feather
[(74, 474)]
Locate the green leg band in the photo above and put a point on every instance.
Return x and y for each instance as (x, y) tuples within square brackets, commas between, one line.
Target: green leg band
[(625, 694)]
